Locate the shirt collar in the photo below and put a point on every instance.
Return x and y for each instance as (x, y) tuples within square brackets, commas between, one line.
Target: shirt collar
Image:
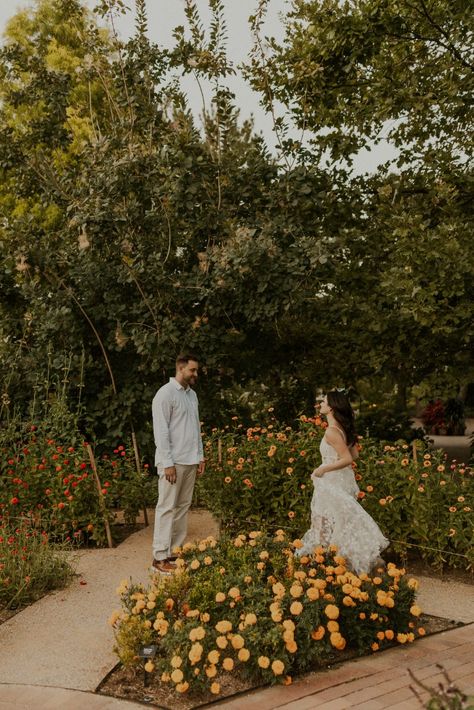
[(177, 385)]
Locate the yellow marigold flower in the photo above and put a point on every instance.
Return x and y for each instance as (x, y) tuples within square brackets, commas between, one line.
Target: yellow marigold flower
[(289, 625), (291, 646), (263, 661), (277, 616), (389, 603), (296, 590), (223, 627), (333, 626), (195, 652), (176, 662), (211, 671), (415, 610), (213, 657), (197, 634), (220, 597), (278, 590), (288, 635), (402, 638), (278, 667), (222, 642), (332, 611), (348, 601), (320, 583), (182, 687), (205, 617), (247, 579), (260, 565), (237, 641), (215, 688), (264, 555), (318, 633), (250, 619), (243, 655), (238, 542), (165, 677), (177, 675), (208, 560), (413, 583), (377, 580), (228, 664), (234, 592), (312, 594), (149, 666), (195, 564), (296, 608)]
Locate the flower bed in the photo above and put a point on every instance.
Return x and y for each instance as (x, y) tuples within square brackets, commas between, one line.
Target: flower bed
[(248, 606), (50, 482), (261, 478)]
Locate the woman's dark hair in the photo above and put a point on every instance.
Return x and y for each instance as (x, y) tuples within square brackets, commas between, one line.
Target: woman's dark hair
[(343, 414)]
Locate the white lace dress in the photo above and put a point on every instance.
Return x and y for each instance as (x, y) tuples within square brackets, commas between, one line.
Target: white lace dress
[(338, 519)]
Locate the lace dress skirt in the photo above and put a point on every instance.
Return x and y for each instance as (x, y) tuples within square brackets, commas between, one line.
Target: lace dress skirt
[(337, 518)]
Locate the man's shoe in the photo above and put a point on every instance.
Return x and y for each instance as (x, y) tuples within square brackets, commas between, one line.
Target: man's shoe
[(164, 567)]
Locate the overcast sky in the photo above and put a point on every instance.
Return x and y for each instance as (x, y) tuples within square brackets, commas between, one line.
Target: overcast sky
[(164, 15)]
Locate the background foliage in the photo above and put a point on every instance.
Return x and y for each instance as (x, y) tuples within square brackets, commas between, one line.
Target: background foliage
[(129, 231)]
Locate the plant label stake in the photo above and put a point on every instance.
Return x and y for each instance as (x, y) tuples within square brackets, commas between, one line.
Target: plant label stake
[(147, 653)]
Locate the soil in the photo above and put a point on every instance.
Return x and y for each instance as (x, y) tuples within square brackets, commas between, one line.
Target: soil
[(129, 683)]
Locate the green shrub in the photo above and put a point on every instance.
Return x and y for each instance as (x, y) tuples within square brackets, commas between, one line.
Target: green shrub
[(29, 565)]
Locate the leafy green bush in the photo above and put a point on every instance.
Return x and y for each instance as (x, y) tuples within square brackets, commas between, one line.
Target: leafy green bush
[(248, 605), (29, 565)]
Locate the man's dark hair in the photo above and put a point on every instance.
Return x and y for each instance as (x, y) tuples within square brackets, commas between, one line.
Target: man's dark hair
[(184, 358)]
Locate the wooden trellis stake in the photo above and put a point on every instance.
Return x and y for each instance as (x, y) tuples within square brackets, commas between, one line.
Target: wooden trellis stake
[(102, 505), (137, 462)]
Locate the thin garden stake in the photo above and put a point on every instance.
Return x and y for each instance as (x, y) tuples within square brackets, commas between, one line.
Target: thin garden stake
[(137, 462), (103, 509)]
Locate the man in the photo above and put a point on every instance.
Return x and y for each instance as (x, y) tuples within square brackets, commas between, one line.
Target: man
[(179, 458)]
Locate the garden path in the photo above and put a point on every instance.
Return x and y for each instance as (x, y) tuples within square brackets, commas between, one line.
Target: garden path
[(64, 641)]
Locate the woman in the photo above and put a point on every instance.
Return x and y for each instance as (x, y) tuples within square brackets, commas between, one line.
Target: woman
[(336, 516)]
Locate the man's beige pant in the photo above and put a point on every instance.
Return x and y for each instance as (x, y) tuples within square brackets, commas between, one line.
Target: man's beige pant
[(171, 514)]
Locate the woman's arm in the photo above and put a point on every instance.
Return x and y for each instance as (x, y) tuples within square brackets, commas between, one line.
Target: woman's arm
[(335, 439)]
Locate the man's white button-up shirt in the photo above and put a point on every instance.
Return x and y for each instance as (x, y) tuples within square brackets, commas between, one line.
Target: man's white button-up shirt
[(176, 425)]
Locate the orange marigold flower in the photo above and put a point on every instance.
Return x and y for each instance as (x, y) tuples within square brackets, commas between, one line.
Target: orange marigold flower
[(215, 688), (421, 631), (243, 655), (263, 661), (318, 633), (389, 634)]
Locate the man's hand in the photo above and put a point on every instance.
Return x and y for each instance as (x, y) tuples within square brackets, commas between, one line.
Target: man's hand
[(170, 474), (201, 467)]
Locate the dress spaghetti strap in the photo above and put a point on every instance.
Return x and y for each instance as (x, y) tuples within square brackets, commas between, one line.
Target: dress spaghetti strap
[(342, 432)]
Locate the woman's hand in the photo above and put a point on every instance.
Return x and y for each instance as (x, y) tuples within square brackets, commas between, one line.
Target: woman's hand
[(318, 472)]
